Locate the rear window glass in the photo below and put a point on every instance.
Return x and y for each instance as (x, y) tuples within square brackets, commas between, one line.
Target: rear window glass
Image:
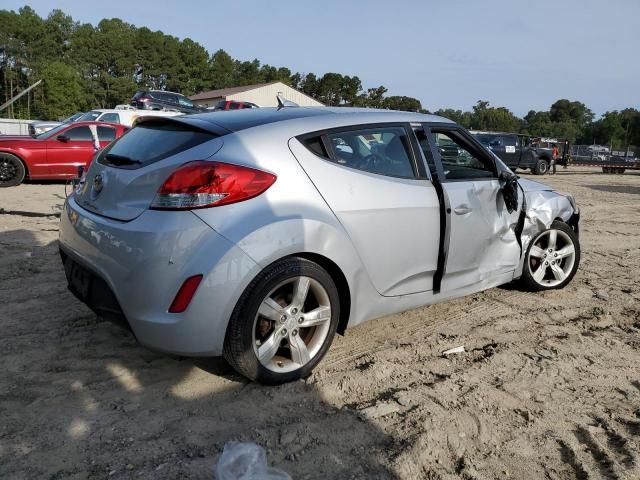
[(106, 134), (150, 142)]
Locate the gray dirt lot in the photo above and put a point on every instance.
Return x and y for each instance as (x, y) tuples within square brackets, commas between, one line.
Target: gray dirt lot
[(549, 386)]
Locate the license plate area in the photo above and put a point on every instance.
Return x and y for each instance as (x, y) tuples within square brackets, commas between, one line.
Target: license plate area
[(79, 279)]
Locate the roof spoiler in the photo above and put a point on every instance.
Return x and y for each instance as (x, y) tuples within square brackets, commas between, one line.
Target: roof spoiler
[(283, 102)]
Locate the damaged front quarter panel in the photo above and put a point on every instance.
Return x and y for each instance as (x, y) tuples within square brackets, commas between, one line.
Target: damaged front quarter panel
[(542, 207)]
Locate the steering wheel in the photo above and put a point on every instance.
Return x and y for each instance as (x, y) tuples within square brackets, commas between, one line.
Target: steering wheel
[(370, 162)]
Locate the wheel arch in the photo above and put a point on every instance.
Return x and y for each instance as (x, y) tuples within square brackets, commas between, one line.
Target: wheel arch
[(341, 283)]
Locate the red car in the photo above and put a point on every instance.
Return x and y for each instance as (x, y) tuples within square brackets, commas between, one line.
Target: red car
[(52, 155)]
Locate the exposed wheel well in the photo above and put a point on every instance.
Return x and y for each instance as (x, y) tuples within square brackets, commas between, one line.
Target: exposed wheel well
[(341, 284)]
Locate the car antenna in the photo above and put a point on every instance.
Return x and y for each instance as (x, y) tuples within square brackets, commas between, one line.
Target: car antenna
[(283, 102)]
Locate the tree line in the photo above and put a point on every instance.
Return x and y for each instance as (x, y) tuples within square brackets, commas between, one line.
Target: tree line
[(85, 66)]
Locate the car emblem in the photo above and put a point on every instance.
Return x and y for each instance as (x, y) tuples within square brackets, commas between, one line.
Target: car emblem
[(97, 183)]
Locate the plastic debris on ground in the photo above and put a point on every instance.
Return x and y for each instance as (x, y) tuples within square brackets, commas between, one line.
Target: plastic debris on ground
[(451, 351), (246, 461)]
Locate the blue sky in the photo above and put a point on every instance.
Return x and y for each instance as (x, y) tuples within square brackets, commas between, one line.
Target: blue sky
[(448, 53)]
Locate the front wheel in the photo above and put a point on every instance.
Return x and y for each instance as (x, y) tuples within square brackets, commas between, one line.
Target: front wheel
[(12, 171), (284, 322), (552, 258), (542, 167)]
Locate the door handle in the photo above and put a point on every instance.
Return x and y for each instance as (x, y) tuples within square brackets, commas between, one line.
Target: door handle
[(462, 209)]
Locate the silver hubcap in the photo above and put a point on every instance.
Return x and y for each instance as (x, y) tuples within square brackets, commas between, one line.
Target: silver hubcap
[(551, 258), (292, 324)]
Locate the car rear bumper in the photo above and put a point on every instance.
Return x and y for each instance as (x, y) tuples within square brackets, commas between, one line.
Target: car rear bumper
[(131, 271)]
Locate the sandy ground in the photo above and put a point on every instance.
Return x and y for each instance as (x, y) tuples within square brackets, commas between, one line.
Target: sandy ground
[(549, 386)]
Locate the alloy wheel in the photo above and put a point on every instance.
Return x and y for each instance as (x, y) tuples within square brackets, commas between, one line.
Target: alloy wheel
[(8, 170), (292, 324), (551, 258)]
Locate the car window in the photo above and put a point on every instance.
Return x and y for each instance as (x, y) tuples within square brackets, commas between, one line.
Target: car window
[(381, 150), (184, 101), (150, 142), (89, 116), (509, 141), (163, 97), (79, 134), (106, 134), (110, 117), (460, 160)]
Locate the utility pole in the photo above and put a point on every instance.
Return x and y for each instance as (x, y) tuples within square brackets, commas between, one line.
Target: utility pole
[(25, 91)]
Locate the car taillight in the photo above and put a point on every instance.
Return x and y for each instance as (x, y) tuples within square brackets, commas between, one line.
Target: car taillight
[(144, 99), (202, 184)]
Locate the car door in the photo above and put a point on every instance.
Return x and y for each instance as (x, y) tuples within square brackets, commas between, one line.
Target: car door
[(369, 177), (481, 243), (69, 150)]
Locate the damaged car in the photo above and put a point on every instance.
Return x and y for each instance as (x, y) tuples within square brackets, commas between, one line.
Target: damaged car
[(258, 234)]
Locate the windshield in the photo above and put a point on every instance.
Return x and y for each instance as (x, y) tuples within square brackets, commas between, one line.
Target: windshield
[(73, 117), (52, 132), (484, 139), (89, 116)]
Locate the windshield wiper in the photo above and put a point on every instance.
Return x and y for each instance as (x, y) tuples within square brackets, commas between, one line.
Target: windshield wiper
[(121, 160)]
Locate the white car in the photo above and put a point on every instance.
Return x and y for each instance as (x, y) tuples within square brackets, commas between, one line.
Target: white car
[(125, 117)]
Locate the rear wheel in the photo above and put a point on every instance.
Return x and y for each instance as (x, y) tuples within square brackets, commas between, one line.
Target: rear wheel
[(552, 258), (284, 322), (12, 171), (542, 167)]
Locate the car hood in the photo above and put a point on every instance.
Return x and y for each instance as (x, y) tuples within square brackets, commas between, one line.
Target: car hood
[(531, 186)]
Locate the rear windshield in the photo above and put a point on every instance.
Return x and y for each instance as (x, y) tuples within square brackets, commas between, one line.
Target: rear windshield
[(150, 142)]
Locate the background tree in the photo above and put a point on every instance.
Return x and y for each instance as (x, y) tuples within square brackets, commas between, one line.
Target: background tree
[(85, 66)]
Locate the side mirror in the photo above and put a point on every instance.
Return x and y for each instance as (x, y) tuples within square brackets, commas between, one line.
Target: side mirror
[(509, 189), (63, 138)]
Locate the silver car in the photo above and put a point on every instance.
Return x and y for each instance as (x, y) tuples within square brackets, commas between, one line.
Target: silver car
[(258, 234)]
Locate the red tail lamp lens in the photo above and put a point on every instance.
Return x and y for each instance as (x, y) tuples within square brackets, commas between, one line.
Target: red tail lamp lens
[(202, 184), (185, 294)]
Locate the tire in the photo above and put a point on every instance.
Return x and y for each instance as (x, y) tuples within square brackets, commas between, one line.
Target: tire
[(12, 171), (542, 248), (267, 340), (541, 168)]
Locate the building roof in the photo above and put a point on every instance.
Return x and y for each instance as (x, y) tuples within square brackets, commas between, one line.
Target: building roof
[(223, 92)]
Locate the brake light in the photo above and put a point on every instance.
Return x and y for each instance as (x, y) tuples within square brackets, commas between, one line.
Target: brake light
[(185, 294), (144, 99), (202, 184)]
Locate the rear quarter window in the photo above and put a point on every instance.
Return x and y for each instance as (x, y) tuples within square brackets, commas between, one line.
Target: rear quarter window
[(151, 142)]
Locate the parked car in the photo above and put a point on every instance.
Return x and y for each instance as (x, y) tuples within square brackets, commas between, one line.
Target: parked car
[(249, 234), (55, 154), (232, 105), (161, 100), (36, 128), (513, 150), (123, 116)]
